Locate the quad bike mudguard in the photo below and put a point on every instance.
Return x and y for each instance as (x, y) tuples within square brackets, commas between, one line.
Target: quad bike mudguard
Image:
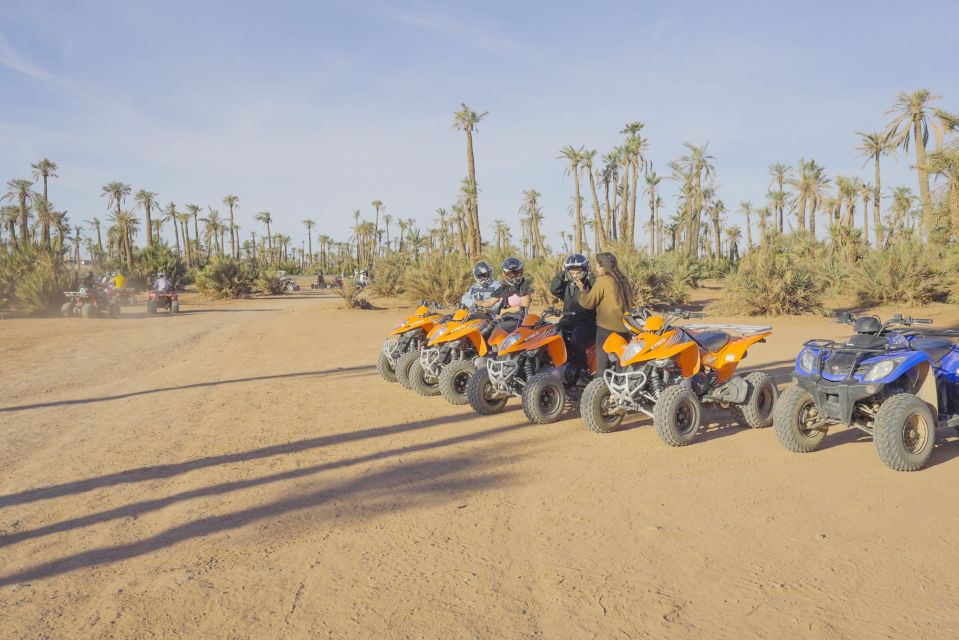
[(470, 330), (725, 361), (548, 336)]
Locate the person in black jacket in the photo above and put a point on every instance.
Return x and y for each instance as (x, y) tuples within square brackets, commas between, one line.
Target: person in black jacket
[(579, 328)]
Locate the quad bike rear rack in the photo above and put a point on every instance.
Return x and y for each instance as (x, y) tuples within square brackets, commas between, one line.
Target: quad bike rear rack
[(744, 329)]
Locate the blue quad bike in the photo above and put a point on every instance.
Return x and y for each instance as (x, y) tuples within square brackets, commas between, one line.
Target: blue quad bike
[(896, 383)]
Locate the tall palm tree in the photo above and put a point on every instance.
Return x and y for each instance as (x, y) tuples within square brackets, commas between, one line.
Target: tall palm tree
[(467, 120), (911, 125), (213, 230), (534, 217), (387, 219), (780, 174), (125, 224), (170, 215), (611, 163), (747, 208), (96, 225), (232, 202), (815, 195), (733, 235), (44, 170), (902, 203), (944, 162), (377, 205), (265, 218), (873, 146), (147, 201), (184, 220), (716, 211), (20, 191), (46, 216), (599, 228), (697, 164), (635, 148), (865, 192), (193, 211), (572, 157), (8, 216), (652, 183), (309, 224)]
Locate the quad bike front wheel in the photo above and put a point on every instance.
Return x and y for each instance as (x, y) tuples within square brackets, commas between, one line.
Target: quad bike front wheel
[(597, 408), (114, 310), (419, 383), (544, 398), (88, 310), (904, 432), (796, 421), (757, 411), (66, 309), (385, 368), (677, 416), (479, 390), (454, 379), (402, 369)]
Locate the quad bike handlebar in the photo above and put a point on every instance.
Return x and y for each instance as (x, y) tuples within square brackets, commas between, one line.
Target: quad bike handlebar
[(896, 320)]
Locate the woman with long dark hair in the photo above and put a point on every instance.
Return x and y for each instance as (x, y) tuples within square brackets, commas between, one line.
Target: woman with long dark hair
[(611, 296)]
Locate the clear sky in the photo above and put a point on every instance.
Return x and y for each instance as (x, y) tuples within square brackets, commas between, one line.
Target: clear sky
[(313, 109)]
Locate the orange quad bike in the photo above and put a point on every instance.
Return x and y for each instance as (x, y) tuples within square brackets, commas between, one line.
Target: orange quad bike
[(402, 346), (446, 363), (668, 372), (530, 363)]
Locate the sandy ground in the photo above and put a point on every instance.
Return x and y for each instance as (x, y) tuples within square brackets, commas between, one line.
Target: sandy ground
[(240, 471)]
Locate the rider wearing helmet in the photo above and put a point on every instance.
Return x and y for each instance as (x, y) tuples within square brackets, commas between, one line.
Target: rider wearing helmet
[(119, 280), (89, 281), (514, 296), (484, 287), (579, 327), (161, 283)]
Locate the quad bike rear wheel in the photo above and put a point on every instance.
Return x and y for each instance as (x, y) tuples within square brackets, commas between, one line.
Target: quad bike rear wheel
[(403, 364), (175, 306), (88, 310), (419, 383), (479, 390), (757, 411), (796, 421), (152, 306), (66, 309), (544, 398), (677, 416), (596, 408), (904, 432), (454, 379), (114, 310), (385, 368)]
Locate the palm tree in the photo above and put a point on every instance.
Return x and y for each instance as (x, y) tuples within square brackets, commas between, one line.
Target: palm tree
[(265, 218), (387, 219), (652, 182), (8, 216), (467, 120), (733, 234), (902, 203), (866, 192), (911, 125), (147, 201), (697, 164), (763, 215), (213, 230), (874, 145), (45, 216), (780, 175), (634, 148), (125, 225), (193, 211), (170, 215), (816, 192), (747, 209), (600, 238), (376, 204), (184, 220), (944, 162), (309, 224), (96, 225), (716, 211), (534, 217), (572, 157), (44, 170), (20, 191), (231, 202)]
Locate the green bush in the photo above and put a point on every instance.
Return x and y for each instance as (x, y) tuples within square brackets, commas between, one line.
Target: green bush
[(292, 267), (441, 279), (540, 271), (268, 281), (33, 278), (160, 257), (225, 278), (772, 281), (904, 273), (40, 289), (389, 273), (657, 281), (352, 296)]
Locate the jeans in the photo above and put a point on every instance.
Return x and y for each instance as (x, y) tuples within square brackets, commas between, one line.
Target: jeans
[(602, 358), (578, 337)]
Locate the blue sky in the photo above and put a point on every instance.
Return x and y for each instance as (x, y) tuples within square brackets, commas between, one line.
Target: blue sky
[(313, 109)]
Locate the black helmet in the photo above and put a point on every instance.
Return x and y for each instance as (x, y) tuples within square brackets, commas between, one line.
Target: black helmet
[(867, 324), (576, 261), (512, 271), (483, 273)]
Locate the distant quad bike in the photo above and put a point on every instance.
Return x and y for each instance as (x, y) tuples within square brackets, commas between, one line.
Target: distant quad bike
[(90, 303), (402, 347), (530, 364), (168, 300), (893, 382), (289, 284), (125, 296), (668, 372), (446, 364)]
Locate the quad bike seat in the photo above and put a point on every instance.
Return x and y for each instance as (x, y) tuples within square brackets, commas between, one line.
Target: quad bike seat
[(866, 341), (935, 348), (712, 341)]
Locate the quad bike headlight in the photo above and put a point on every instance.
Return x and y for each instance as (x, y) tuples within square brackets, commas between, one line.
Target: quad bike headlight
[(807, 360), (510, 340), (440, 331), (632, 349), (882, 369)]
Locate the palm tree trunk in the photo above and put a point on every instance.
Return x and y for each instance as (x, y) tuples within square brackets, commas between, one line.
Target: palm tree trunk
[(149, 224), (876, 215), (652, 222), (801, 222), (176, 235), (599, 228), (632, 201), (476, 240), (234, 236), (580, 230), (24, 231), (865, 220), (924, 196), (812, 218)]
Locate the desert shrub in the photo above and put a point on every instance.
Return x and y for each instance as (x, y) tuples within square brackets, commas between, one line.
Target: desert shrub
[(291, 267), (541, 271), (772, 281), (657, 281), (160, 257), (33, 278), (440, 279), (352, 296), (39, 290), (904, 273), (388, 274), (270, 282), (225, 278)]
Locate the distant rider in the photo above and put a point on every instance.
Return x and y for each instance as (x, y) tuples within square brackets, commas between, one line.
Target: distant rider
[(162, 284), (579, 327), (119, 280)]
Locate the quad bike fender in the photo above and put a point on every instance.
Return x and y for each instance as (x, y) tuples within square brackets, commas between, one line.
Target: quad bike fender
[(467, 330), (728, 358), (615, 343), (439, 332), (927, 388), (555, 347), (685, 354), (426, 323), (498, 335)]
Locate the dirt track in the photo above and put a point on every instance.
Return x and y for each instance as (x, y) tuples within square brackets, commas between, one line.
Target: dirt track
[(240, 471)]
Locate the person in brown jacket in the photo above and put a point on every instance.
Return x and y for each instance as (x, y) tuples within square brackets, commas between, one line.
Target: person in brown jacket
[(611, 296)]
